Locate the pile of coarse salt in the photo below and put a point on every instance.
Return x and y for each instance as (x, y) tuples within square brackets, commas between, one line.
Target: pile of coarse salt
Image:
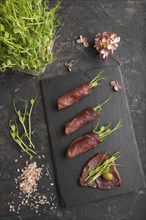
[(30, 175), (29, 196)]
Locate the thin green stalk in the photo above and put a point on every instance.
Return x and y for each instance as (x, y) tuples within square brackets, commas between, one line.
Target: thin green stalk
[(95, 81), (22, 119), (105, 130), (15, 135), (26, 145), (98, 108), (32, 101)]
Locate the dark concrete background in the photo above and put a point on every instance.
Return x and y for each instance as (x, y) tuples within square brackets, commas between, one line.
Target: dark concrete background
[(127, 18)]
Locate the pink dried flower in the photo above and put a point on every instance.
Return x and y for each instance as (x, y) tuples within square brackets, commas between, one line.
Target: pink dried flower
[(69, 65), (83, 40), (116, 85), (106, 43)]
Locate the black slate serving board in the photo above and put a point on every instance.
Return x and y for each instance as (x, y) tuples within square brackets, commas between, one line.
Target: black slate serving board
[(67, 172)]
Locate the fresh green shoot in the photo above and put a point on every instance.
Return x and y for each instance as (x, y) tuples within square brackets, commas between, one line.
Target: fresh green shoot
[(101, 168), (105, 130), (22, 119), (32, 102), (16, 137), (25, 119), (95, 81), (27, 33), (98, 108)]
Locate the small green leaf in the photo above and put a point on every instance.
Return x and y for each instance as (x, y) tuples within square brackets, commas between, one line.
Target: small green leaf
[(16, 31), (32, 101), (20, 119), (18, 141), (24, 119), (13, 127), (6, 34), (90, 169), (9, 63), (19, 112), (2, 28), (13, 134), (3, 64), (102, 128)]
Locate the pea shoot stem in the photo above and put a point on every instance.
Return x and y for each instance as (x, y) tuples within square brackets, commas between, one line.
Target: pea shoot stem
[(98, 108), (95, 81), (32, 101), (22, 117), (105, 130)]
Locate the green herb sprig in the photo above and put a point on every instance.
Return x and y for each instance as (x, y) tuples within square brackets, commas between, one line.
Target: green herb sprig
[(95, 81), (93, 174), (27, 31), (24, 118), (98, 108), (105, 130)]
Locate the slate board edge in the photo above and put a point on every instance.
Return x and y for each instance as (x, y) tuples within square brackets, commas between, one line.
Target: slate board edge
[(132, 128), (61, 201)]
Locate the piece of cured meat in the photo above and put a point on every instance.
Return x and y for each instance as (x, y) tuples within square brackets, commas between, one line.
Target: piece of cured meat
[(83, 144), (73, 96), (82, 118), (90, 140), (79, 92), (100, 182), (85, 116)]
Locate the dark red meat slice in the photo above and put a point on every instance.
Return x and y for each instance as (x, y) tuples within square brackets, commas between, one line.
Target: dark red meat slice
[(83, 144), (100, 182), (73, 96), (80, 120)]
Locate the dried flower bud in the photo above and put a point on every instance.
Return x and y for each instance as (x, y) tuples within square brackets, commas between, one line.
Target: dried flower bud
[(116, 85), (69, 65), (106, 43), (83, 40)]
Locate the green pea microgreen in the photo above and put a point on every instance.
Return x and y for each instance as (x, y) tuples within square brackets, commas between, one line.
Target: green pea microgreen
[(101, 168), (24, 119), (27, 32)]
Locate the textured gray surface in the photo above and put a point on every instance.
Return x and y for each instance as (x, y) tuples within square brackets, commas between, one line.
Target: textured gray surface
[(86, 18)]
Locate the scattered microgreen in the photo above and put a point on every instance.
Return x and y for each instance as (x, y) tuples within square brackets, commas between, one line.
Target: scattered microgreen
[(27, 32), (24, 119), (101, 168)]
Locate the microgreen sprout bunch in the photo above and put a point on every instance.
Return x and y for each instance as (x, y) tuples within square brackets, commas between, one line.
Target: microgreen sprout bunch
[(96, 79), (27, 32), (24, 119), (105, 130)]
